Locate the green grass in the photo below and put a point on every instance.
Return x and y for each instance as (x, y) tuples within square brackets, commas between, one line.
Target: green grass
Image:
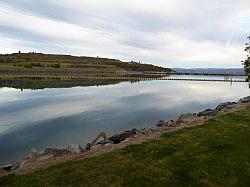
[(215, 154)]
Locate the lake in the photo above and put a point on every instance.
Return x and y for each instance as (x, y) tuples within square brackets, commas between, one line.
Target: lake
[(57, 117)]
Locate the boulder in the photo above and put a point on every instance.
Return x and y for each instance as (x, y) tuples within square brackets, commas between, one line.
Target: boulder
[(34, 154), (75, 149), (45, 157), (101, 137), (15, 165), (6, 167), (107, 142), (125, 141), (88, 146), (55, 152), (153, 129), (10, 167), (245, 99), (24, 162), (161, 123), (121, 137), (135, 131), (169, 123), (187, 118), (96, 147), (144, 131), (226, 106), (150, 130), (208, 112)]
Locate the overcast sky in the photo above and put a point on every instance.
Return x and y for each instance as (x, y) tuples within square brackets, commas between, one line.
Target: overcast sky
[(170, 33)]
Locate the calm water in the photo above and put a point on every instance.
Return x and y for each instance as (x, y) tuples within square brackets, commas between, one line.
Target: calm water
[(58, 117)]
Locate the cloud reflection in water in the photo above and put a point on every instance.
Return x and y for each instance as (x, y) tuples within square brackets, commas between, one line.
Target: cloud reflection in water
[(58, 117)]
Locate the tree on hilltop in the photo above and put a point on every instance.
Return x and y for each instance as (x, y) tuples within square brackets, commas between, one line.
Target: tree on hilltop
[(247, 61)]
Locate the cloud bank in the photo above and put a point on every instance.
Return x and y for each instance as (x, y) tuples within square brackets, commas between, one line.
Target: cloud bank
[(170, 33)]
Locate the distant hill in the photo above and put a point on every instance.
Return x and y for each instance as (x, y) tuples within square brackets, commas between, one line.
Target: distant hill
[(231, 71), (41, 61)]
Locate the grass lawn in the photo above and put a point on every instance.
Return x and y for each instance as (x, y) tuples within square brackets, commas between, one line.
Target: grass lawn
[(215, 154)]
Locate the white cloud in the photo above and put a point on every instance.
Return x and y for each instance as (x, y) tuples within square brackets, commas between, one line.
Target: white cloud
[(163, 32)]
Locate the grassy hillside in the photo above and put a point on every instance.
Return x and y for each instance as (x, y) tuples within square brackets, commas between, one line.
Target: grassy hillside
[(215, 154), (18, 61)]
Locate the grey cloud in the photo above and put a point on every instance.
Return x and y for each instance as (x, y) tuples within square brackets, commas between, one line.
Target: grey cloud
[(149, 31)]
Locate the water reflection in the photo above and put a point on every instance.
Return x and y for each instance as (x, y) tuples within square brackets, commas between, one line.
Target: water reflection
[(35, 83), (58, 117)]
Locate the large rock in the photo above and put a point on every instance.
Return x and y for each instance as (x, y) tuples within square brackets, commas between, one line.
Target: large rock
[(15, 165), (34, 154), (153, 129), (245, 99), (150, 130), (75, 149), (24, 162), (45, 157), (208, 112), (96, 147), (100, 138), (135, 131), (123, 136), (10, 167), (170, 123), (144, 131), (6, 167), (226, 106), (187, 118), (161, 123), (56, 152), (107, 142), (120, 137), (88, 146)]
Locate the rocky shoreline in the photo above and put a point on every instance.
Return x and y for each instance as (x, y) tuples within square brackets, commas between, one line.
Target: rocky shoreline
[(50, 156)]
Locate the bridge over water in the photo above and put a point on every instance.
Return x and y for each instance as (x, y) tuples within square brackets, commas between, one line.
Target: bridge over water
[(162, 78), (131, 78)]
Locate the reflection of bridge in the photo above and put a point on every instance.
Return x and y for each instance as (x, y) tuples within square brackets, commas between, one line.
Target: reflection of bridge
[(209, 74), (161, 78)]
